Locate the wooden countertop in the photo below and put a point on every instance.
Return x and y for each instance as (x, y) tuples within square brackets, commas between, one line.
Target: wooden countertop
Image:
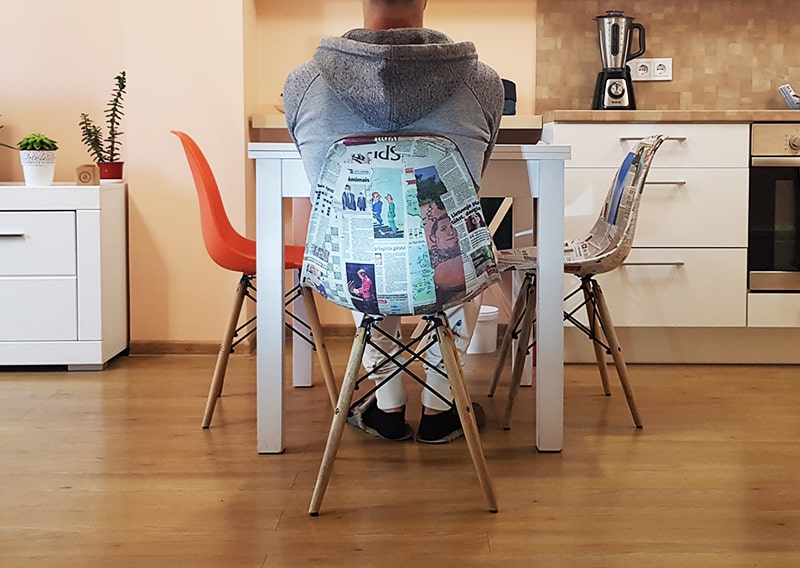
[(698, 116), (514, 129)]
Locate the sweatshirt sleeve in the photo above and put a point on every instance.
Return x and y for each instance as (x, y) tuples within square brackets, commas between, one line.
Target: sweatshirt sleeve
[(488, 88), (294, 91)]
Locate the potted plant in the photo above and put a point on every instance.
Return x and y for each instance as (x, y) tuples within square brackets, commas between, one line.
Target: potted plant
[(106, 149), (37, 153)]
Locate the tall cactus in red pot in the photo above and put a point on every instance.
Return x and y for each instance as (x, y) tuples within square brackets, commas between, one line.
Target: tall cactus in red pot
[(106, 149)]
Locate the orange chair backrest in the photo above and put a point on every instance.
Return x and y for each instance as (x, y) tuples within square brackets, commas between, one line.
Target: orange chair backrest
[(226, 246)]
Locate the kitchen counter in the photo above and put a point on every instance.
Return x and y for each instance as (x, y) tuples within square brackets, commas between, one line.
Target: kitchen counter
[(514, 129), (695, 116)]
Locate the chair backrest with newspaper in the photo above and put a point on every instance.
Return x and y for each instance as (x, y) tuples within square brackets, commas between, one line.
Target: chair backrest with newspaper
[(611, 237), (396, 227)]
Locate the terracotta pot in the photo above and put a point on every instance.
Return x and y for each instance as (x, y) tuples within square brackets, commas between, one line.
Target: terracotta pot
[(110, 170)]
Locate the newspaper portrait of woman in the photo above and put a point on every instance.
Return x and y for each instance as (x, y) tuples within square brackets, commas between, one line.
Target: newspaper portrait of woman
[(441, 236)]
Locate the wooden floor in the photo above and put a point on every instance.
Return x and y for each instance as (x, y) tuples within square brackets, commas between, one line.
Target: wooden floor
[(112, 469)]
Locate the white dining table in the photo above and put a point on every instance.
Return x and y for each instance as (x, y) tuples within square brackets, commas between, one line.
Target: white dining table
[(515, 170)]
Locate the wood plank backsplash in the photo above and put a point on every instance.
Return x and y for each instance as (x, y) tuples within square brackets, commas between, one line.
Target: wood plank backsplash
[(725, 54)]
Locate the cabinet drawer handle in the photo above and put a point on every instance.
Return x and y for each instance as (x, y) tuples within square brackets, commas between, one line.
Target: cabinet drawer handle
[(637, 138), (664, 263), (11, 235), (677, 182)]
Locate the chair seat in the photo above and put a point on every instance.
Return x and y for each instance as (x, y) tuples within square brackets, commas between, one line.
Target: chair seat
[(579, 259), (293, 257)]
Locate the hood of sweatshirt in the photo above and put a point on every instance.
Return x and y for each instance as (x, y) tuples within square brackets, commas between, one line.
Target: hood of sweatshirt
[(391, 78)]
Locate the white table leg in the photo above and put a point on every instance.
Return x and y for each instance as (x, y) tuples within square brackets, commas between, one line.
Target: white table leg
[(270, 273), (549, 304)]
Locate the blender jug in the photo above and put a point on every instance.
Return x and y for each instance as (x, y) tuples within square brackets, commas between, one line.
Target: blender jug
[(615, 32)]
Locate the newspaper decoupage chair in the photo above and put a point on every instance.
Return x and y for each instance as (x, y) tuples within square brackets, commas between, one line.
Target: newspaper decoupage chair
[(604, 249), (397, 269), (233, 251)]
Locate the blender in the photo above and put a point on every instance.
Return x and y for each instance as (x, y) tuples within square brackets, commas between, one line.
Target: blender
[(614, 88)]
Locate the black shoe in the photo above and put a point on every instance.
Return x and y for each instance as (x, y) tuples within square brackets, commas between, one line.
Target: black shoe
[(445, 426), (387, 425)]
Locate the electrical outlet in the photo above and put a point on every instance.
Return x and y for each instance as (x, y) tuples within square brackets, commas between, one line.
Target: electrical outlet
[(658, 69), (662, 69), (642, 70)]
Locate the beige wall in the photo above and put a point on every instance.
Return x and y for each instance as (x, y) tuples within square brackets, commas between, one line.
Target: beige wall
[(185, 71)]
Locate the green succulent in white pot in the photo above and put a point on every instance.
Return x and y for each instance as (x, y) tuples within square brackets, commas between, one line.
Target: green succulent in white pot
[(37, 153)]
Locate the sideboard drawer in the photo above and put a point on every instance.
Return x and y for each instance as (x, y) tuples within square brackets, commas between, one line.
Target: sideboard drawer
[(687, 145), (37, 243), (675, 207), (38, 309), (678, 288)]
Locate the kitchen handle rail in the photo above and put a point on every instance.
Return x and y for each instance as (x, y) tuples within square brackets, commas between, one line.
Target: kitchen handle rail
[(666, 182), (637, 138), (4, 235), (655, 263)]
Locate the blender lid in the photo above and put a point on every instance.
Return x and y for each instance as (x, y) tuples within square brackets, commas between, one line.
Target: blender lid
[(614, 14)]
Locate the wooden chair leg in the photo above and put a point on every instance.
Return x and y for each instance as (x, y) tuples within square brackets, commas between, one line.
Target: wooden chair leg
[(525, 333), (508, 337), (319, 344), (616, 350), (599, 352), (339, 420), (463, 403), (502, 301), (218, 378)]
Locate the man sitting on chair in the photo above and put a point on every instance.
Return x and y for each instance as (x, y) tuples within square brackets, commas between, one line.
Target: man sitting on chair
[(394, 75)]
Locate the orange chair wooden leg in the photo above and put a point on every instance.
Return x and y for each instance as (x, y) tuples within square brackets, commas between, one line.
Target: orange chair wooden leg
[(319, 344), (218, 378)]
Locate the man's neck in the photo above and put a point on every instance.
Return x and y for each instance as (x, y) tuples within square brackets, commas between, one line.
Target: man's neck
[(386, 23), (379, 16)]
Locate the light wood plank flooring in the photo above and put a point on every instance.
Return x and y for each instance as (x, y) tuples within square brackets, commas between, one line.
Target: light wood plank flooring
[(112, 469)]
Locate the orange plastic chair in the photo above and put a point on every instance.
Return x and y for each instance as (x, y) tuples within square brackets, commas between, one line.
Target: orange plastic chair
[(232, 251)]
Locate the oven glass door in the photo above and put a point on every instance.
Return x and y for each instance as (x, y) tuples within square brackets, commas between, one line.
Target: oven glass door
[(773, 254)]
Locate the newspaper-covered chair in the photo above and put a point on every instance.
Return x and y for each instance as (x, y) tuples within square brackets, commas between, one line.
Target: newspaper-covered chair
[(397, 229), (604, 249)]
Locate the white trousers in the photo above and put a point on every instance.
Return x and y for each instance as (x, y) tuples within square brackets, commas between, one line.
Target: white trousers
[(393, 394)]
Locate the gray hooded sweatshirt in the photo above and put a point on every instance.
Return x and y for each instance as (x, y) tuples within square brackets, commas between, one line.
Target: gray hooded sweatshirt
[(401, 80)]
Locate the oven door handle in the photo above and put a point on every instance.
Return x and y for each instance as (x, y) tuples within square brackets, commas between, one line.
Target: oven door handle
[(775, 162)]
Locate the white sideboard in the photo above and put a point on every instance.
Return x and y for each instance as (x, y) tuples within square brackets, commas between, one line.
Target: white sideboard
[(63, 275), (688, 267)]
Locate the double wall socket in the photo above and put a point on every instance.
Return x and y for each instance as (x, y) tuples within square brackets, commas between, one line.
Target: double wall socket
[(658, 69)]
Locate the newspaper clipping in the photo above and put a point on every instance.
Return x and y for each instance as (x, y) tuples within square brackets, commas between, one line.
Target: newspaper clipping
[(397, 227)]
